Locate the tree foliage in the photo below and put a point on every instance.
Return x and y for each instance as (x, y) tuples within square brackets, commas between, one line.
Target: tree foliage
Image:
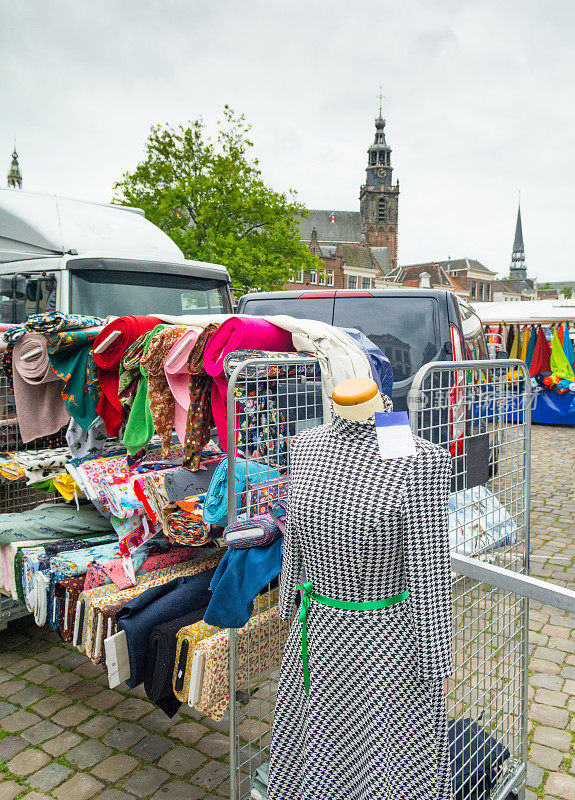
[(209, 197), (567, 292)]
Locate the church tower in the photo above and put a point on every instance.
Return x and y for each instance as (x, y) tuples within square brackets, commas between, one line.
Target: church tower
[(518, 270), (378, 198), (14, 173)]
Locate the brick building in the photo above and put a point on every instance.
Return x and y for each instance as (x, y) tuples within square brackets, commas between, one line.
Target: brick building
[(464, 276), (356, 248)]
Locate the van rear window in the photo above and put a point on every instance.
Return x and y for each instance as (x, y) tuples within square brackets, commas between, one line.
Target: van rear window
[(305, 308), (404, 328)]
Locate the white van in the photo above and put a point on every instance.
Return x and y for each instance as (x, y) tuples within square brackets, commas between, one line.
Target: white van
[(91, 258)]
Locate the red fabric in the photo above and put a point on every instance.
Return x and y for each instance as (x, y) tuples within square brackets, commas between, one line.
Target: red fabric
[(131, 327), (541, 361), (238, 333), (174, 556), (560, 333)]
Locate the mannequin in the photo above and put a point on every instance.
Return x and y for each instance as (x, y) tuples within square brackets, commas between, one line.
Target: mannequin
[(357, 399)]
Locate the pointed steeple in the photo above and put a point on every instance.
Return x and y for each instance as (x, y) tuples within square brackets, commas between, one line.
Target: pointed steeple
[(379, 169), (14, 173), (518, 268)]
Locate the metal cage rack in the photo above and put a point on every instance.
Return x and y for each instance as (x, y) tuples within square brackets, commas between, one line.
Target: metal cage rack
[(480, 411)]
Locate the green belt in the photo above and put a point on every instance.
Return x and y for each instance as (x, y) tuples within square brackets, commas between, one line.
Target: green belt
[(309, 594)]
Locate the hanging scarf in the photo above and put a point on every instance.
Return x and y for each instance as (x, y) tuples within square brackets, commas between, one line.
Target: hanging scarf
[(531, 346), (200, 417), (510, 335), (560, 333), (568, 347), (516, 343), (541, 361), (559, 362), (129, 372), (160, 399), (525, 344), (72, 360)]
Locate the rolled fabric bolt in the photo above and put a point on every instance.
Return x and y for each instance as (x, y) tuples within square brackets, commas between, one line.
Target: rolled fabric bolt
[(107, 342)]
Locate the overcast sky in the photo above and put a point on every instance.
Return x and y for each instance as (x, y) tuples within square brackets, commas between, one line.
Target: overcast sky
[(479, 99)]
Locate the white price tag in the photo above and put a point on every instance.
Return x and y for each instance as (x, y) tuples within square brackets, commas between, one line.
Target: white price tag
[(394, 435)]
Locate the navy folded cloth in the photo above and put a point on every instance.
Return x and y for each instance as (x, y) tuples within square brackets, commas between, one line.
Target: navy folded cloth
[(160, 662), (381, 370), (476, 758), (240, 576), (154, 607)]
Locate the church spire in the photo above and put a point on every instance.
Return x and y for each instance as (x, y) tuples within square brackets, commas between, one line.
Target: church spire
[(14, 173), (518, 268), (379, 167)]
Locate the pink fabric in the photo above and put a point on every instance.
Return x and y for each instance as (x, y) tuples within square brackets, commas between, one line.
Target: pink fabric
[(238, 333), (178, 379), (174, 556), (5, 570)]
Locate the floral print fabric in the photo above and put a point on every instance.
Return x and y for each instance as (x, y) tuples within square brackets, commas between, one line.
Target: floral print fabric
[(200, 419)]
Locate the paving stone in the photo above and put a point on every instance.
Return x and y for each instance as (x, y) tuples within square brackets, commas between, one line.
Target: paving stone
[(537, 638), (97, 726), (63, 681), (178, 790), (88, 753), (541, 665), (62, 743), (115, 768), (557, 631), (114, 794), (9, 688), (11, 746), (41, 731), (50, 705), (105, 700), (543, 681), (10, 789), (27, 761), (6, 709), (534, 775), (157, 721), (70, 717), (211, 775), (546, 757), (88, 670), (551, 698), (82, 690), (181, 760), (549, 655), (560, 740), (7, 658), (561, 785), (188, 732), (146, 781), (79, 787), (214, 745), (71, 660), (549, 715), (124, 735), (49, 777), (18, 667), (5, 676), (151, 748), (19, 720), (132, 708), (28, 696), (52, 654), (42, 673)]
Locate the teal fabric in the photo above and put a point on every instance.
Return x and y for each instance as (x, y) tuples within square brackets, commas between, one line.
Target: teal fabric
[(531, 347), (215, 510), (140, 425), (72, 361), (52, 521)]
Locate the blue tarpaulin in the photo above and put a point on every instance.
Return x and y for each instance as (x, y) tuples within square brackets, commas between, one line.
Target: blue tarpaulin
[(550, 408)]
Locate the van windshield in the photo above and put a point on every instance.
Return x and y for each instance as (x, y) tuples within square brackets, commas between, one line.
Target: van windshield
[(103, 293)]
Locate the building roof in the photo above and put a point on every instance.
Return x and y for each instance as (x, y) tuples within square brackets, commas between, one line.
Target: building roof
[(357, 255), (346, 226), (515, 285), (383, 258), (438, 276), (456, 264)]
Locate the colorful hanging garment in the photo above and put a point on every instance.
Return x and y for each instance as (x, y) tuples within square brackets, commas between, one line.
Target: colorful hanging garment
[(70, 355), (516, 343), (560, 333), (178, 377), (160, 399), (107, 362), (559, 362), (531, 345), (524, 345), (568, 347), (200, 417), (129, 372), (140, 425), (510, 336), (541, 361)]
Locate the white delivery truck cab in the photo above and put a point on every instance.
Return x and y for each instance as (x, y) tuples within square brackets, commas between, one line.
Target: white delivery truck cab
[(91, 258)]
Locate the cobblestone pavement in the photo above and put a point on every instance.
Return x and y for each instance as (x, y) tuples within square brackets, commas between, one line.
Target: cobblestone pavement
[(65, 735)]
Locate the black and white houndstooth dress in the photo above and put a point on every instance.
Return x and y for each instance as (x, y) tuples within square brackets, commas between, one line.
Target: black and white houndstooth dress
[(374, 725)]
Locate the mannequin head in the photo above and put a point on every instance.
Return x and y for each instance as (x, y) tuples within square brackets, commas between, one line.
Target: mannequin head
[(357, 399)]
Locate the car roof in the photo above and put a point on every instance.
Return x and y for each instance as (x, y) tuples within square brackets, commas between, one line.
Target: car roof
[(402, 291)]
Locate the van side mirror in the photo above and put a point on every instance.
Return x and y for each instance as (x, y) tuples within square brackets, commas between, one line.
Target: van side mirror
[(32, 288)]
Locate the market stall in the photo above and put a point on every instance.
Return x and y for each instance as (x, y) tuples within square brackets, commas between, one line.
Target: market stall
[(541, 333)]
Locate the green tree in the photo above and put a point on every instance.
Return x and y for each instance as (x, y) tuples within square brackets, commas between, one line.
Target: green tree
[(567, 291), (209, 197)]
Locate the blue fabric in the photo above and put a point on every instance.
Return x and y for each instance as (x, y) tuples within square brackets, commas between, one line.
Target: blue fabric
[(240, 576), (381, 369), (215, 510), (476, 759), (550, 408), (531, 347), (568, 346), (156, 606)]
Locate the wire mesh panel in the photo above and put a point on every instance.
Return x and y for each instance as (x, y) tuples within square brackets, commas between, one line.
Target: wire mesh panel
[(269, 402), (481, 413)]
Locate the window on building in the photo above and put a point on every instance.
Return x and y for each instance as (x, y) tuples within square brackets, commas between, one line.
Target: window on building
[(321, 277), (473, 290), (330, 277), (381, 157), (313, 276), (373, 157), (352, 281), (381, 210), (388, 158), (488, 291), (480, 291), (366, 283)]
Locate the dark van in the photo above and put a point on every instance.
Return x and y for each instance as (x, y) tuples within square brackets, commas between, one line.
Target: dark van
[(411, 326)]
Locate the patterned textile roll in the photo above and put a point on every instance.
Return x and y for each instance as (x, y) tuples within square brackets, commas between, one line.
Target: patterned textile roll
[(200, 417), (193, 634), (187, 525), (76, 562), (260, 644), (95, 600), (41, 583), (67, 591)]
